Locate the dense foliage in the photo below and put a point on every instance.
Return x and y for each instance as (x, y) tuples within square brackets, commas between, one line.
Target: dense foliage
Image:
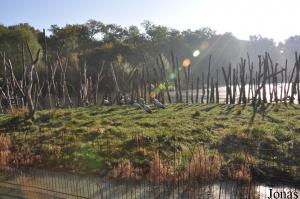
[(95, 41)]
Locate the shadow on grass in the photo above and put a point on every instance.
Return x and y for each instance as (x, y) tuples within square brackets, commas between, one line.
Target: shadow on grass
[(210, 108), (294, 106), (12, 124), (260, 108), (229, 108)]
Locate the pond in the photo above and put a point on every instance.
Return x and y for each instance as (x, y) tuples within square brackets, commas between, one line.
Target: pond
[(49, 184), (222, 93)]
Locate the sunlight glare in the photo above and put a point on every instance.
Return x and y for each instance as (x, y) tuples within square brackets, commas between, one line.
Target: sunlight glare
[(186, 62), (172, 76), (152, 94), (196, 53), (162, 86), (204, 45)]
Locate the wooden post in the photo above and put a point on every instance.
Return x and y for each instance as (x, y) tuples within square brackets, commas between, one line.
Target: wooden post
[(217, 87), (186, 76), (212, 93), (285, 82), (208, 79), (192, 92), (265, 75), (203, 88), (165, 78), (179, 81), (197, 90), (235, 82), (175, 76)]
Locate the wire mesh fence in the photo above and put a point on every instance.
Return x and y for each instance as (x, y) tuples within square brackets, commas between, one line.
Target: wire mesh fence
[(36, 183), (202, 175)]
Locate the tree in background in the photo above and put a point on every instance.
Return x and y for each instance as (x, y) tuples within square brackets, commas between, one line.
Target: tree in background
[(13, 41)]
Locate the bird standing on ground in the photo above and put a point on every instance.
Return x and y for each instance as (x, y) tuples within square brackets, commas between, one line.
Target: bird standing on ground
[(106, 102), (158, 104), (145, 107), (136, 105), (122, 100), (127, 99)]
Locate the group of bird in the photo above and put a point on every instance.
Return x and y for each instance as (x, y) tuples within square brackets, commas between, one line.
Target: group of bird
[(139, 104)]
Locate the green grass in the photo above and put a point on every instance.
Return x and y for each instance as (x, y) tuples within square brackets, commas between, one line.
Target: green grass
[(92, 139)]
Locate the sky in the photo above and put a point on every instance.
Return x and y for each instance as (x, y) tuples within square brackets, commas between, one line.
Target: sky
[(275, 19)]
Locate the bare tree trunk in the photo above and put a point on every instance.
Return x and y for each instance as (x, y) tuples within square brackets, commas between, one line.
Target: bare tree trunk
[(4, 101), (285, 82), (7, 94), (208, 79), (144, 82), (289, 84), (99, 78), (296, 81), (265, 74), (212, 93), (234, 82), (186, 84), (47, 64), (227, 82), (83, 87), (165, 78), (192, 92), (242, 98), (115, 81), (179, 81), (203, 89), (197, 89), (217, 87), (29, 84), (174, 76)]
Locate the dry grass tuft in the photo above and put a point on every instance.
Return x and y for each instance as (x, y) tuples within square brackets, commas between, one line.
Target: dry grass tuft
[(125, 171), (158, 171), (18, 112), (99, 128), (22, 156), (141, 151), (5, 153), (240, 173), (203, 167), (240, 170), (141, 139)]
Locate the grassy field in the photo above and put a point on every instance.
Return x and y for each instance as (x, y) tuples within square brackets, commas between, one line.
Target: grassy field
[(93, 139)]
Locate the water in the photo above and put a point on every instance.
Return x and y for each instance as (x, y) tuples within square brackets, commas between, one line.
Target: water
[(222, 93), (54, 185)]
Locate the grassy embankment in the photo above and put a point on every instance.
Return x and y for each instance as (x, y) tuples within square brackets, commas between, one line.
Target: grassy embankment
[(92, 139)]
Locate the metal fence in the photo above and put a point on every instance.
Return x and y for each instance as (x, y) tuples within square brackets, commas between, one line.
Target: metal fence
[(35, 183)]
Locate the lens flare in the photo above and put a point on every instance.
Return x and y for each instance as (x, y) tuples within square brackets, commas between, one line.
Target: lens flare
[(152, 94), (162, 86), (204, 45), (172, 76), (186, 62), (196, 53)]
